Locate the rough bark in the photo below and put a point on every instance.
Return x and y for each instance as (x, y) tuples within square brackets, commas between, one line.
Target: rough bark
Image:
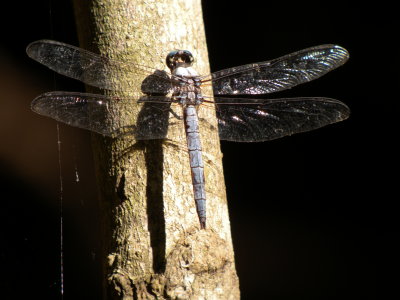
[(153, 247)]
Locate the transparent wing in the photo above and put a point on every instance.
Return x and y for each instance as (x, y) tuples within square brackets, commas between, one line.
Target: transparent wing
[(256, 120), (279, 74), (107, 115), (90, 68)]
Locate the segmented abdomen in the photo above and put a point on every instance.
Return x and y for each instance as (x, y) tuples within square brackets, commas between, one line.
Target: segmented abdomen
[(196, 161)]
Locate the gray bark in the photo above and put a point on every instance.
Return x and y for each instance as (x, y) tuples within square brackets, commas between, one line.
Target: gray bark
[(153, 247)]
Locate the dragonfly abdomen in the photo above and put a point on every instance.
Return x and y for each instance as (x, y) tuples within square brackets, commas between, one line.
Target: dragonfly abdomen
[(196, 161)]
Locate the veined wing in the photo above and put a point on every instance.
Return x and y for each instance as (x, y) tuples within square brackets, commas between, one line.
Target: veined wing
[(105, 115), (257, 120), (279, 74), (88, 67)]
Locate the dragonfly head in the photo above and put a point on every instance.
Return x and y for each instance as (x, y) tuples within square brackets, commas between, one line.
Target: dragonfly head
[(179, 58)]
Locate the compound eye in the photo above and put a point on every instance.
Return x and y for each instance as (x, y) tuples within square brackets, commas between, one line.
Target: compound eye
[(187, 57), (170, 61)]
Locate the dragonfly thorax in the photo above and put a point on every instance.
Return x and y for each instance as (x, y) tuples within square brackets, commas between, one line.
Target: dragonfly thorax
[(188, 95)]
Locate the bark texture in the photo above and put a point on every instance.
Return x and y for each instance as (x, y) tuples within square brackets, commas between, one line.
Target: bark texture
[(153, 247)]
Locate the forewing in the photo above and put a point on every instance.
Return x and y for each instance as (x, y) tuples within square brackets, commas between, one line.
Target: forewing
[(247, 120), (110, 116), (279, 74), (90, 68)]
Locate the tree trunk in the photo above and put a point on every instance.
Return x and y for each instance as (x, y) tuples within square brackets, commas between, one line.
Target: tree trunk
[(153, 247)]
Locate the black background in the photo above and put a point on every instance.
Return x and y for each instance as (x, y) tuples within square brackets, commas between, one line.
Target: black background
[(313, 215)]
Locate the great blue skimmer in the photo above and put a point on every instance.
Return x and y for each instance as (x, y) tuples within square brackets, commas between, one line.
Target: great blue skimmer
[(239, 119)]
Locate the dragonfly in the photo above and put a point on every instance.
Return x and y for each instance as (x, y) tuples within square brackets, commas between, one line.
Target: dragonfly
[(240, 118)]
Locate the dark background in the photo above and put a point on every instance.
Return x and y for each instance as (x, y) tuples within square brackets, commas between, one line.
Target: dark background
[(313, 216)]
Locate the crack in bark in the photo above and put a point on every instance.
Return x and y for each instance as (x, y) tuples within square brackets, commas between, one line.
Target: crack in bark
[(121, 189)]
